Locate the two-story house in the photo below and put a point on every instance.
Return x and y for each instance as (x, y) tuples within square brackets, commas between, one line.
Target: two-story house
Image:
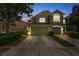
[(47, 21)]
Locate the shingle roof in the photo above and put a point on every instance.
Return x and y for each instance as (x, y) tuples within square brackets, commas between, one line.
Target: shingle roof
[(42, 12), (58, 11)]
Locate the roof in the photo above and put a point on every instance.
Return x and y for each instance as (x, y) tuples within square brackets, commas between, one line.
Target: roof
[(58, 11), (42, 12)]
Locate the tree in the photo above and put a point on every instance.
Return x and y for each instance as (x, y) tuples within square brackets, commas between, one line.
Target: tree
[(75, 13), (73, 18), (10, 12)]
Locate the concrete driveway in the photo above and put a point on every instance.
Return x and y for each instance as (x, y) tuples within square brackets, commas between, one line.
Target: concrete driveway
[(40, 46)]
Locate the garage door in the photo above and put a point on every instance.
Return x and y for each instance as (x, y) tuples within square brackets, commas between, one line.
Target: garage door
[(56, 30), (39, 31)]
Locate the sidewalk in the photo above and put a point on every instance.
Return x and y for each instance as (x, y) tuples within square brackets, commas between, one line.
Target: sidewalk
[(69, 39)]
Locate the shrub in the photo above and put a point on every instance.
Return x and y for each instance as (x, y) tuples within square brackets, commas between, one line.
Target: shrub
[(73, 35), (2, 34), (51, 33), (9, 37)]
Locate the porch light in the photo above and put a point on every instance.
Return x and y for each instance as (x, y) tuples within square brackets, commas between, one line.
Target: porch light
[(29, 31)]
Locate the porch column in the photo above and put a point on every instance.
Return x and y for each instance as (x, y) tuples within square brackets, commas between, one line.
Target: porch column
[(62, 32)]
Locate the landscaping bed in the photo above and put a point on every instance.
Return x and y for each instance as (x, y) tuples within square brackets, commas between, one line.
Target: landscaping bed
[(11, 38), (61, 41)]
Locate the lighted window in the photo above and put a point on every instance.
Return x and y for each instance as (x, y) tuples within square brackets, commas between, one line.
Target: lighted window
[(64, 21), (42, 20), (56, 18)]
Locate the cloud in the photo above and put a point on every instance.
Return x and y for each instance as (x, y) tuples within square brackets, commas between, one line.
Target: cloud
[(26, 18)]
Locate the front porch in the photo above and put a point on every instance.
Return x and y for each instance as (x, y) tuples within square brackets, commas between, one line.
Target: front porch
[(57, 29)]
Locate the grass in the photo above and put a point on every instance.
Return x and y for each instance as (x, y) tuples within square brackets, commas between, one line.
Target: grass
[(63, 42)]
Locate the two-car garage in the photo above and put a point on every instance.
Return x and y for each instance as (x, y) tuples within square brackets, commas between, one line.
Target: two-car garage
[(45, 30)]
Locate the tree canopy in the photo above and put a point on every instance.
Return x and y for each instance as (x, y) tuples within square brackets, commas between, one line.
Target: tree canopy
[(73, 18), (9, 12)]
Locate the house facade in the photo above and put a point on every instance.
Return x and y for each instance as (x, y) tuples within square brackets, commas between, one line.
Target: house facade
[(18, 26), (47, 21)]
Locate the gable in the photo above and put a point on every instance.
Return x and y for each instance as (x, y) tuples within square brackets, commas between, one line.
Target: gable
[(43, 13), (48, 16), (58, 11)]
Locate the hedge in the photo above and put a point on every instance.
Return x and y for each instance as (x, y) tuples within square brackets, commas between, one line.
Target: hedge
[(9, 37)]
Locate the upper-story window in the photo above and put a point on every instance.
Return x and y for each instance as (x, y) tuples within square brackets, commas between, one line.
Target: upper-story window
[(42, 20), (64, 21), (56, 17)]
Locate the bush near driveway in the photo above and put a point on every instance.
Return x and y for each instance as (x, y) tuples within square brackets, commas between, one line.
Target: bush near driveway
[(51, 33), (9, 37), (74, 35), (61, 41)]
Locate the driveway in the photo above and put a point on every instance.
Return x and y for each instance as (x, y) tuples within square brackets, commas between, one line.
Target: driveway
[(40, 46)]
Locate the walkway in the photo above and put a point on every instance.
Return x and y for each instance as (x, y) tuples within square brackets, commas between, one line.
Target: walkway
[(69, 39)]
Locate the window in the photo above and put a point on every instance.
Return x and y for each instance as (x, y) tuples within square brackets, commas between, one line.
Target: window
[(42, 20), (56, 18), (64, 21)]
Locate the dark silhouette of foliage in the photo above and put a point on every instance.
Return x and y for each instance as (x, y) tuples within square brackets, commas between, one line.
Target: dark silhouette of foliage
[(73, 18), (10, 12)]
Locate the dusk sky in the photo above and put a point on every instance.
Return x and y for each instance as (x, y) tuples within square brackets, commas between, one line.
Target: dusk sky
[(38, 7), (64, 7)]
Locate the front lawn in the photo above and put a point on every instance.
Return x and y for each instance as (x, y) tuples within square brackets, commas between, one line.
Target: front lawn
[(61, 41), (6, 38)]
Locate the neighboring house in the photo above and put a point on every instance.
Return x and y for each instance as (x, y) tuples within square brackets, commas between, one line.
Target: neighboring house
[(18, 26), (47, 21)]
